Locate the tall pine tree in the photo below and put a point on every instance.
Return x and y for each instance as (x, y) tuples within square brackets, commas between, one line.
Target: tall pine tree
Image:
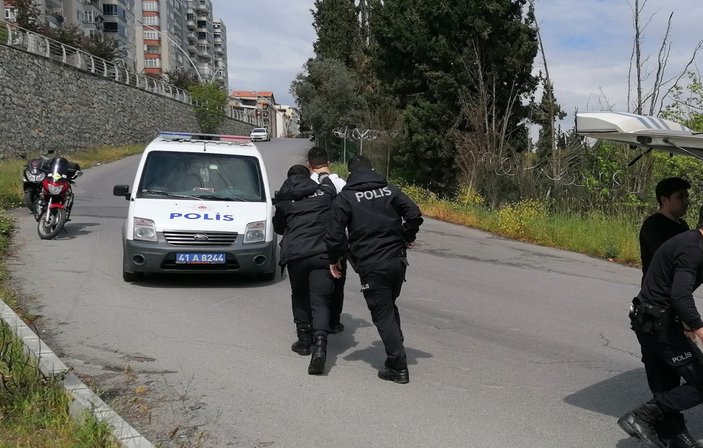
[(425, 51), (336, 23)]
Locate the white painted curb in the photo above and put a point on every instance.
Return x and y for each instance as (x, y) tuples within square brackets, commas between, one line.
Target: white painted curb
[(82, 398)]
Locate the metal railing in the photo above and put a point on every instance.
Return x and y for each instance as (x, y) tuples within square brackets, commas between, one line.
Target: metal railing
[(15, 36)]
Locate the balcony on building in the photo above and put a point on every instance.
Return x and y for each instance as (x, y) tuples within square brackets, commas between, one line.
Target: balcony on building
[(202, 6), (191, 24), (219, 49)]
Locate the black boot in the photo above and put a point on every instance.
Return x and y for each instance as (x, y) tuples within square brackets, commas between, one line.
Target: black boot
[(319, 355), (640, 423), (684, 439), (302, 345), (401, 376)]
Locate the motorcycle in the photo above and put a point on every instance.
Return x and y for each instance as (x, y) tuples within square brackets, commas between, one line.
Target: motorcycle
[(53, 208), (32, 176)]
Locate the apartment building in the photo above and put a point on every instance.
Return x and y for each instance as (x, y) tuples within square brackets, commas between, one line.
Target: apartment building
[(178, 35), (256, 106), (160, 26), (220, 52), (154, 36), (118, 24)]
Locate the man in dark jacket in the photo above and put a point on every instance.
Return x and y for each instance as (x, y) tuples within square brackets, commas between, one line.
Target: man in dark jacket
[(382, 223), (666, 321), (302, 214)]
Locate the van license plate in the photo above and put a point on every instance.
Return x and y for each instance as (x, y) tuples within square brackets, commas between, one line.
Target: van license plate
[(200, 258)]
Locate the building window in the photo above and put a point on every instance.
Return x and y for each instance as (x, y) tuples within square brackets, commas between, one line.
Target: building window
[(151, 20), (89, 16), (202, 48), (152, 49), (152, 63), (110, 27), (151, 35), (151, 6), (202, 36), (110, 10)]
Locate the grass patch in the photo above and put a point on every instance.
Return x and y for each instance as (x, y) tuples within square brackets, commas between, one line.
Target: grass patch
[(614, 238), (11, 169), (34, 409)]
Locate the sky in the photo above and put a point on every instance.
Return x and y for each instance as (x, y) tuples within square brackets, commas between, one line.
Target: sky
[(588, 44)]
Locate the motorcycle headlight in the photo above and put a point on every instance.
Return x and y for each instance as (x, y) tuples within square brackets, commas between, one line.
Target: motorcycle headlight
[(55, 188), (144, 229), (255, 232), (34, 177)]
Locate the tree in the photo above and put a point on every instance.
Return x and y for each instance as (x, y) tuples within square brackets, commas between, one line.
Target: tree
[(336, 23), (329, 96), (546, 114), (27, 15), (421, 51), (209, 106), (181, 78), (661, 88)]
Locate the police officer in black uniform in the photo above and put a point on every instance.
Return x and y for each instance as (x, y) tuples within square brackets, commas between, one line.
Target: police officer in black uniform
[(302, 214), (382, 223), (667, 323)]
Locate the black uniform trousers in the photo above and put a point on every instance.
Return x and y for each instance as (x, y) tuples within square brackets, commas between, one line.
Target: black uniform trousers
[(312, 287), (338, 296), (381, 287), (666, 360)]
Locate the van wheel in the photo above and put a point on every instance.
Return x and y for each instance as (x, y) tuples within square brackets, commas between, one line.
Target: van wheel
[(132, 276)]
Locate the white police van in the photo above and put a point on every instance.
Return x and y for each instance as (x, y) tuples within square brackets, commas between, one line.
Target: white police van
[(199, 203)]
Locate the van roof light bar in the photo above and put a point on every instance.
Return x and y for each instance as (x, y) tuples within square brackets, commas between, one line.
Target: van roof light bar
[(191, 136)]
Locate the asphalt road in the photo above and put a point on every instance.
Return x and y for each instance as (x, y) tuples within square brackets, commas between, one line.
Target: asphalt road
[(509, 344)]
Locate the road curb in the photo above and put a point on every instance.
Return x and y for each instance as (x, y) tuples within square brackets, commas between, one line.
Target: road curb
[(82, 398)]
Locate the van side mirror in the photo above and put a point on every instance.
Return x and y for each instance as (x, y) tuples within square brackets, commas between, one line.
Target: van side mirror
[(121, 190)]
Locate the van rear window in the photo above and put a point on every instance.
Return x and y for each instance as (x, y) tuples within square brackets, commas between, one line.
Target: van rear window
[(197, 176)]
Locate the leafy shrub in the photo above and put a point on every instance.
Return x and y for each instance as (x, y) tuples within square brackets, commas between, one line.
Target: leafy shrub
[(514, 219)]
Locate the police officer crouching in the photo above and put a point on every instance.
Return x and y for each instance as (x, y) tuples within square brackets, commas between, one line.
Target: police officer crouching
[(667, 323), (382, 223)]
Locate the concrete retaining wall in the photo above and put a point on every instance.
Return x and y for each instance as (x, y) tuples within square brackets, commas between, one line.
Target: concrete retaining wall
[(45, 104)]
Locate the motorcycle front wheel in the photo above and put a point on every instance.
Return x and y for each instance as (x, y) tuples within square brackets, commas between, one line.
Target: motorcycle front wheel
[(29, 198), (56, 221)]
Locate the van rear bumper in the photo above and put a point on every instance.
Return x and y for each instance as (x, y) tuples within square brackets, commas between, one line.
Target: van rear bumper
[(155, 257)]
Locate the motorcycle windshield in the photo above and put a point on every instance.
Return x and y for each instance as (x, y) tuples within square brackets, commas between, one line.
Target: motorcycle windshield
[(59, 166)]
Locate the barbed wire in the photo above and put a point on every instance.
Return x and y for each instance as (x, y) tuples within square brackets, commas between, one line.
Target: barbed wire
[(354, 134)]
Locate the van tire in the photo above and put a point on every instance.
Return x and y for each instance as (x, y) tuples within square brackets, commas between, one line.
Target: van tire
[(132, 276)]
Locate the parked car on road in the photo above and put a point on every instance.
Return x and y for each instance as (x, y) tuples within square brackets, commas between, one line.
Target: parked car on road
[(199, 203), (260, 135)]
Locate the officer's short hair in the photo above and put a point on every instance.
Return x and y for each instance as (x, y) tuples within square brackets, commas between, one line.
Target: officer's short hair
[(359, 163), (297, 170), (666, 187), (317, 157)]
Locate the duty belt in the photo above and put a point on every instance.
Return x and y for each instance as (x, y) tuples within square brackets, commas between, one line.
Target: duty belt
[(652, 319)]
